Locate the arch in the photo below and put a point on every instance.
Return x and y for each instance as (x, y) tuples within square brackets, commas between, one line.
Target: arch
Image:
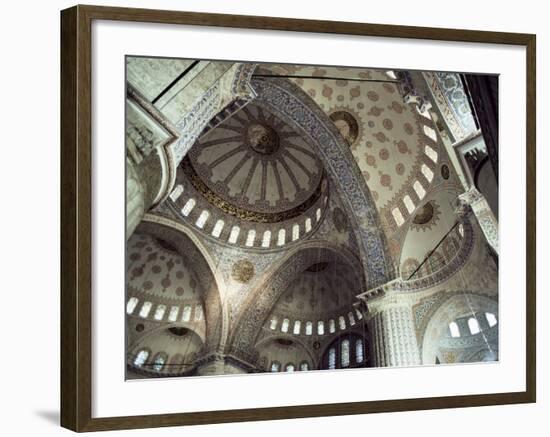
[(296, 340), (179, 234), (447, 310), (287, 101), (263, 297)]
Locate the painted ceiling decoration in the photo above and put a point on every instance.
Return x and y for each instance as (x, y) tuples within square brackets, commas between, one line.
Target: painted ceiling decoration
[(256, 167)]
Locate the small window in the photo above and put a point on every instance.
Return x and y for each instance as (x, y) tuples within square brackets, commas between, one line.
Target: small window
[(176, 192), (419, 189), (273, 324), (144, 312), (141, 358), (289, 367), (284, 325), (427, 172), (344, 356), (473, 324), (391, 74), (397, 216), (331, 326), (351, 318), (318, 214), (430, 133), (186, 314), (359, 356), (308, 224), (275, 366), (304, 366), (425, 113), (461, 229), (131, 305), (198, 312), (158, 364), (266, 239), (281, 239), (431, 153), (250, 237), (453, 328), (491, 319), (309, 328), (332, 358), (297, 325), (159, 312), (234, 234), (295, 232), (341, 323), (218, 228), (358, 314), (173, 315), (188, 207), (320, 327)]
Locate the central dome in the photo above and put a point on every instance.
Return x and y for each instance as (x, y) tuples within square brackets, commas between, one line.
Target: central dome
[(255, 165)]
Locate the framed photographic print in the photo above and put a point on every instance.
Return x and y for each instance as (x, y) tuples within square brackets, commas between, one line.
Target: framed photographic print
[(340, 216)]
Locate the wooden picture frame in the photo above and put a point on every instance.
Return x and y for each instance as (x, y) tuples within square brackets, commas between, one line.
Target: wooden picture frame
[(76, 217)]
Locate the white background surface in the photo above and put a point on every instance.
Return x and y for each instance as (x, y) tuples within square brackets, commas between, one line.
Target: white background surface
[(30, 118), (112, 396)]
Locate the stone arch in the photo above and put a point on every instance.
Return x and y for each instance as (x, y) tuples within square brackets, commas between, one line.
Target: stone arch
[(289, 102), (265, 295), (448, 309), (186, 242)]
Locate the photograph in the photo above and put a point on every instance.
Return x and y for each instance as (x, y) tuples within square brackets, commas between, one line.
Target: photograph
[(296, 218)]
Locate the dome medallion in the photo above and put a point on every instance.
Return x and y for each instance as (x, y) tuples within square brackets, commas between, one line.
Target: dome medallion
[(262, 139)]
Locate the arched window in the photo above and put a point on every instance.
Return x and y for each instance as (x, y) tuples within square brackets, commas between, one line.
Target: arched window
[(284, 326), (308, 224), (359, 355), (332, 358), (430, 133), (186, 314), (275, 366), (289, 367), (358, 314), (351, 318), (251, 236), (266, 239), (218, 228), (318, 214), (234, 234), (419, 189), (331, 326), (273, 323), (320, 327), (297, 325), (295, 232), (453, 328), (473, 324), (141, 358), (159, 312), (344, 355), (431, 153), (131, 305), (144, 312), (188, 207), (304, 366), (309, 328), (176, 192), (198, 312), (408, 203), (173, 316), (397, 216), (201, 221), (491, 319), (461, 229), (159, 362), (341, 323), (427, 172), (281, 238)]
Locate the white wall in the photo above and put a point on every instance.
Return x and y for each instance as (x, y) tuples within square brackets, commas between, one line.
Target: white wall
[(30, 203)]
